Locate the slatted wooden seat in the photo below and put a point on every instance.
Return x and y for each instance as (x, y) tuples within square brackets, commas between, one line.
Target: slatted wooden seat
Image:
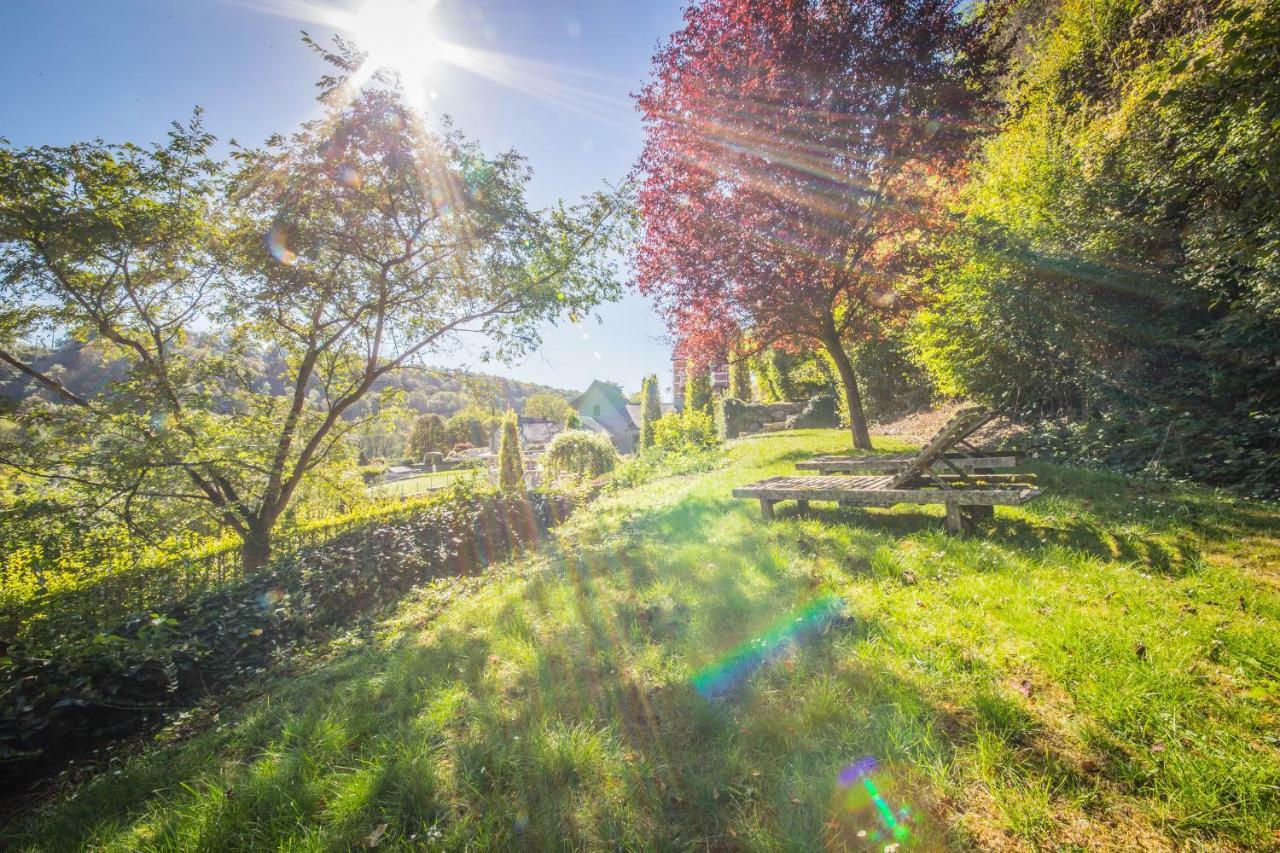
[(966, 494), (879, 491), (892, 463)]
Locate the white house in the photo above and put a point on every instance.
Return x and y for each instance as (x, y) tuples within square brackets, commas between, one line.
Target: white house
[(603, 408)]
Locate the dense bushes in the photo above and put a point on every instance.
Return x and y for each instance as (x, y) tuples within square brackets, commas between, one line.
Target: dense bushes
[(657, 464), (579, 453), (58, 694), (1118, 261), (688, 431)]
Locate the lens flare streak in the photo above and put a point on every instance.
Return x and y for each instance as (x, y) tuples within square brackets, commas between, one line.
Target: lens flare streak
[(739, 663)]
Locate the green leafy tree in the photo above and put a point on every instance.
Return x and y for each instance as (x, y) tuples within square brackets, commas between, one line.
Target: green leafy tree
[(650, 409), (428, 436), (354, 248), (510, 456), (470, 426), (553, 407), (697, 388), (740, 378), (580, 453)]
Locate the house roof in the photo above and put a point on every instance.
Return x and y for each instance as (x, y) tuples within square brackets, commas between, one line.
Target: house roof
[(539, 433), (611, 392), (633, 409)]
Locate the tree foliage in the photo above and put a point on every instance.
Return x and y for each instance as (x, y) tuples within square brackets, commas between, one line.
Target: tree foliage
[(650, 409), (697, 388), (351, 249), (1120, 252), (429, 436), (794, 151), (470, 426), (740, 376), (544, 404)]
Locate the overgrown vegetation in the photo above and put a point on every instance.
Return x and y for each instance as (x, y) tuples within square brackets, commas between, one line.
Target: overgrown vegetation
[(554, 703), (1118, 265), (691, 430), (68, 685)]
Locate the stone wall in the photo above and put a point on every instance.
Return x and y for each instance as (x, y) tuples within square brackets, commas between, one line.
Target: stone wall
[(735, 417)]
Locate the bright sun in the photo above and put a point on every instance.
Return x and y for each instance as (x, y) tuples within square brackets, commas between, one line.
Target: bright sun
[(397, 35)]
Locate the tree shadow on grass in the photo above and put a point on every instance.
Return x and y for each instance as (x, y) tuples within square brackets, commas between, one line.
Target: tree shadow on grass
[(530, 723), (1099, 513), (564, 714), (1175, 559)]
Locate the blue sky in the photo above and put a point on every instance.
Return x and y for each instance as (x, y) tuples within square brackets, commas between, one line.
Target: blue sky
[(124, 69)]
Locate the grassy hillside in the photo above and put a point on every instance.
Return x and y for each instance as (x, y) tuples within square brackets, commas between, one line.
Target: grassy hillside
[(1097, 670)]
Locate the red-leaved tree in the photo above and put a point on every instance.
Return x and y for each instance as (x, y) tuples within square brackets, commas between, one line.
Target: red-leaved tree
[(795, 151)]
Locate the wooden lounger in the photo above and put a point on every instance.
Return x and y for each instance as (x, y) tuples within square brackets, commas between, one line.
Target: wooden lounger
[(963, 500), (892, 463), (919, 478), (936, 453)]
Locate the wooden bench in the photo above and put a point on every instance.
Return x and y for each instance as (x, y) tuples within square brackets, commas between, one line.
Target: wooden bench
[(892, 463), (933, 475), (964, 501)]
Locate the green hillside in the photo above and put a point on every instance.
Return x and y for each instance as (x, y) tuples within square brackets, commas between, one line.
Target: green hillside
[(1097, 670)]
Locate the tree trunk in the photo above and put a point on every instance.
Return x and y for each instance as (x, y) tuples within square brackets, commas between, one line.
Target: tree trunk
[(857, 420), (256, 549)]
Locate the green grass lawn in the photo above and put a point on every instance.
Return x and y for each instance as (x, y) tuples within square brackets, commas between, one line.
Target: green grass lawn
[(1098, 669), (421, 484)]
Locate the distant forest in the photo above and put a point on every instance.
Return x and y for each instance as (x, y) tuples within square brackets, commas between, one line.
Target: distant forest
[(84, 370)]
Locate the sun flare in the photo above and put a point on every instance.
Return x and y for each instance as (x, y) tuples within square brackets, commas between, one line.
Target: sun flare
[(399, 36)]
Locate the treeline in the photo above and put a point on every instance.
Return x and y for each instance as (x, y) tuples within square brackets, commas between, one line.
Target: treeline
[(86, 370)]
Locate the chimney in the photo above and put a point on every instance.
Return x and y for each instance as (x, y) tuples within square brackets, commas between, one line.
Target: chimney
[(677, 383)]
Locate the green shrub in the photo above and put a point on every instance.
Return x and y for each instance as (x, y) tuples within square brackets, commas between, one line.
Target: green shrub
[(656, 463), (579, 453), (650, 411), (510, 457), (70, 689), (690, 430), (372, 471), (697, 387)]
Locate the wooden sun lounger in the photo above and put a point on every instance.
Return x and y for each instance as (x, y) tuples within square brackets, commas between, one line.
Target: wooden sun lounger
[(937, 452), (967, 495), (892, 463), (961, 499)]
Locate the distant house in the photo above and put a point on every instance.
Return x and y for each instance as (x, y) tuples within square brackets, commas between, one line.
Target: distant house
[(534, 432), (719, 376), (603, 408)]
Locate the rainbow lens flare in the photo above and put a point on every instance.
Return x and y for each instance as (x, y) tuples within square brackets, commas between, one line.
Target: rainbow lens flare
[(865, 816), (723, 675), (349, 177), (278, 246)]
